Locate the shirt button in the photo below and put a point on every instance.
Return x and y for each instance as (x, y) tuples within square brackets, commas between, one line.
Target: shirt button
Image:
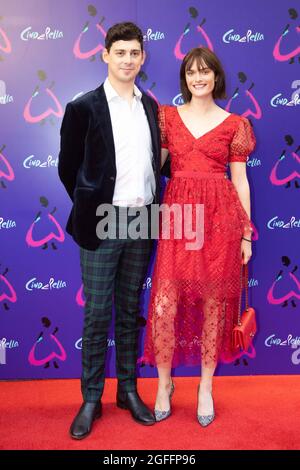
[(112, 178)]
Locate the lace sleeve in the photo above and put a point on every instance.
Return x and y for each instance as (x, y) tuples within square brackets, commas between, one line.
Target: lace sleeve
[(162, 126), (243, 142)]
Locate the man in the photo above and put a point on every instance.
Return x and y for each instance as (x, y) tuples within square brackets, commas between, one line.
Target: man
[(110, 153)]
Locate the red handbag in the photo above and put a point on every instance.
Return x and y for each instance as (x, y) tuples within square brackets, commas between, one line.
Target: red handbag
[(244, 332)]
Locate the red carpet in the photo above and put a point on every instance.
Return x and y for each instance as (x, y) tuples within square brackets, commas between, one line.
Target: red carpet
[(37, 414)]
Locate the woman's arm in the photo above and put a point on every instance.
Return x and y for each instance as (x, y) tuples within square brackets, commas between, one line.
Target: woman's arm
[(240, 182)]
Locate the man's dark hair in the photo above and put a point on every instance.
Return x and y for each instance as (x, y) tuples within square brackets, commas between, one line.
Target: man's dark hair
[(123, 32)]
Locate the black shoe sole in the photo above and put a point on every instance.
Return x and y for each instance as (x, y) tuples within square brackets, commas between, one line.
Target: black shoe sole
[(125, 407), (78, 438)]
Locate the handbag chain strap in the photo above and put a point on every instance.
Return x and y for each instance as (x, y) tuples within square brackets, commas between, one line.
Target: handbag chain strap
[(244, 284)]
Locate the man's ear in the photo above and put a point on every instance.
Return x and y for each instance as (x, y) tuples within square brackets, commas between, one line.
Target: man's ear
[(105, 55), (144, 57)]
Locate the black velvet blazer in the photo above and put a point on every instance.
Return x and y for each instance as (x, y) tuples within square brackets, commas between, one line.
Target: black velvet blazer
[(87, 162)]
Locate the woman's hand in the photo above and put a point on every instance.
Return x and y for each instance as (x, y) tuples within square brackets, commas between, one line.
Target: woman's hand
[(246, 251)]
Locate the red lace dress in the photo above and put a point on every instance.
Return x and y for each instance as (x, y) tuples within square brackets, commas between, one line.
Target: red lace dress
[(195, 293)]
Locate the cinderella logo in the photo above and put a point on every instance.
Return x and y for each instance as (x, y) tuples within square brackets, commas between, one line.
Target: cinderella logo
[(244, 98), (47, 348), (250, 36), (28, 34), (38, 225), (294, 100), (5, 44), (32, 162), (286, 287), (4, 97), (6, 171), (54, 110), (288, 38), (90, 54), (178, 100), (276, 223), (291, 341), (110, 343), (204, 38), (285, 171), (7, 291)]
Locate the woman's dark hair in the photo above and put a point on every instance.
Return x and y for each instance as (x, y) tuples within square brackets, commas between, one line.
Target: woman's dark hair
[(203, 57), (123, 32)]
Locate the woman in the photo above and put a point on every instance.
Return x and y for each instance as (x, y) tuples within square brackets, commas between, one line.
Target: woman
[(195, 293)]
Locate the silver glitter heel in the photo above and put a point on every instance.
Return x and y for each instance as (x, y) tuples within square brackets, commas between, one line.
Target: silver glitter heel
[(205, 420), (161, 415)]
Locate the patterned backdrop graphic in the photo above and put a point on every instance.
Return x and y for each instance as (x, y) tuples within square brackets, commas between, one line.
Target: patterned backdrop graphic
[(50, 53)]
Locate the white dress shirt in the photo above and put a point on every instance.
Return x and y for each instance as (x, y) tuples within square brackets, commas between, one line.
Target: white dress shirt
[(135, 181)]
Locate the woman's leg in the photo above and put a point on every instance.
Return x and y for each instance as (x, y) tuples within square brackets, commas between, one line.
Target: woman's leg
[(162, 402), (214, 316), (165, 308), (205, 401)]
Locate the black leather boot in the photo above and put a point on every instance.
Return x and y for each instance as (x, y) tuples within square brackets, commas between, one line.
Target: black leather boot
[(139, 411), (83, 422)]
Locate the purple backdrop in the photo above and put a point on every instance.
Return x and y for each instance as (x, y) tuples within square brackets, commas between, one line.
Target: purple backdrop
[(49, 54)]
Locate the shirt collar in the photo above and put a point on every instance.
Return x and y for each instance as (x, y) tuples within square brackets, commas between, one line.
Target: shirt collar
[(111, 92)]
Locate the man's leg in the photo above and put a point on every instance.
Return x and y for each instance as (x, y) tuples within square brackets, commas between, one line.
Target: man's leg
[(131, 273), (99, 269), (132, 270)]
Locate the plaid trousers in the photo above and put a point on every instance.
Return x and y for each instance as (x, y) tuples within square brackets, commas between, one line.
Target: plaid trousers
[(116, 270)]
